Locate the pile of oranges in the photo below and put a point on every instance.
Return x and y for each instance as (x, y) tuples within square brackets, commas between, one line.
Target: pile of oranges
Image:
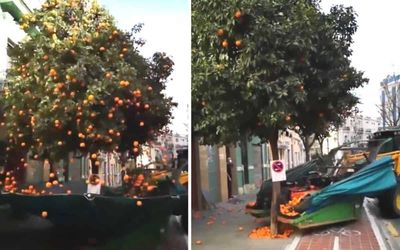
[(288, 208), (10, 185), (265, 233)]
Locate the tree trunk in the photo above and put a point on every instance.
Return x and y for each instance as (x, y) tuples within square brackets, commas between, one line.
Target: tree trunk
[(229, 170), (307, 145), (66, 169), (197, 201), (321, 146), (307, 149), (276, 186), (245, 160)]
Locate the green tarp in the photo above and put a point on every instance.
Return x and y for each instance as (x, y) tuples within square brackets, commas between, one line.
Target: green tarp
[(371, 179)]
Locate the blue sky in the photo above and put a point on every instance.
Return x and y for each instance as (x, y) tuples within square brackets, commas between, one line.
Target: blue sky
[(166, 29)]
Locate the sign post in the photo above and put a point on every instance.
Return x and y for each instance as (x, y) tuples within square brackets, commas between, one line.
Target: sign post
[(278, 174), (278, 171)]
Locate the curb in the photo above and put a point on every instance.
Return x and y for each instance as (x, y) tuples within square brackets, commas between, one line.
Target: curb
[(294, 243), (382, 236)]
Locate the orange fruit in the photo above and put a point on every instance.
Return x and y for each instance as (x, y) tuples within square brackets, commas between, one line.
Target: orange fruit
[(111, 131), (94, 156), (44, 214), (238, 43), (69, 132), (141, 124), (126, 178), (108, 75), (146, 106), (139, 203), (51, 175), (55, 183), (238, 14), (135, 143), (137, 93), (102, 49), (59, 143), (52, 72), (48, 185), (125, 50), (225, 44), (90, 98), (220, 32), (82, 145), (45, 57), (120, 102), (110, 115)]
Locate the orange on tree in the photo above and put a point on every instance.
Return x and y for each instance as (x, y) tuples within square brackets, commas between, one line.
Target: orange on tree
[(238, 14), (83, 95)]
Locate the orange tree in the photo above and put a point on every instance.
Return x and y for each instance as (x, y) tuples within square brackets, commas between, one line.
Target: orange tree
[(328, 78), (78, 84), (257, 66)]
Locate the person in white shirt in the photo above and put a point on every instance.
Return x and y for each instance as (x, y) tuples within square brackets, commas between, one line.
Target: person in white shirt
[(94, 185)]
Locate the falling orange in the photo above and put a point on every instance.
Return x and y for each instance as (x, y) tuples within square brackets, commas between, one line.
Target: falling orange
[(44, 214)]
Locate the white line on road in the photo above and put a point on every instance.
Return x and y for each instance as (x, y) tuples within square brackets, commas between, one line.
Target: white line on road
[(294, 243), (336, 243), (374, 226)]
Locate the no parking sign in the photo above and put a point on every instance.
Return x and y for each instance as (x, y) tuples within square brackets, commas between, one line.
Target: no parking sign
[(278, 171)]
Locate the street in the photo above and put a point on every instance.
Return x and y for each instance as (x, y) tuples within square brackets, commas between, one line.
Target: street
[(227, 227)]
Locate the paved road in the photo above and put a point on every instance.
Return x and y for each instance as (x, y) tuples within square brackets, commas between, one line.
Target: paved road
[(388, 226), (227, 227)]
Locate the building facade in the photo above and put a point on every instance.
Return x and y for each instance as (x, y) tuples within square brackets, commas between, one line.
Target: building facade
[(356, 128), (218, 172)]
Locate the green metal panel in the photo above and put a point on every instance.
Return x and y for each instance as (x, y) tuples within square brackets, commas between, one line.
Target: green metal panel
[(15, 12), (12, 8), (338, 212)]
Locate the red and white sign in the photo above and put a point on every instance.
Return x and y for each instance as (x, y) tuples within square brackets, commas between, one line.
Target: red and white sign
[(278, 171)]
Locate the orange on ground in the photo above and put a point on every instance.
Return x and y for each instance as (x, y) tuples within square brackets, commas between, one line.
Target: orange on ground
[(265, 232)]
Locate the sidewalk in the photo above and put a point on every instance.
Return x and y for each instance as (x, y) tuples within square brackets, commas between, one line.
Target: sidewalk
[(228, 227)]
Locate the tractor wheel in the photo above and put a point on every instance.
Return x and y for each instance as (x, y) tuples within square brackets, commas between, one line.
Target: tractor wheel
[(389, 202)]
